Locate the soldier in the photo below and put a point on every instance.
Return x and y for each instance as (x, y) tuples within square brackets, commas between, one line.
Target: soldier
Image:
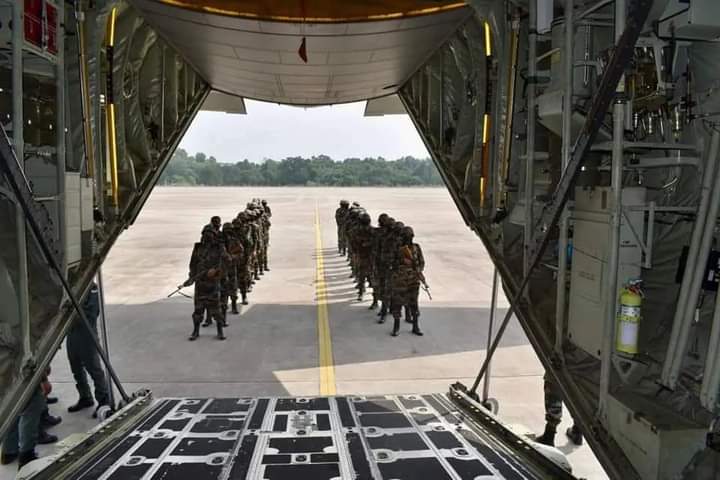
[(208, 261), (242, 232), (229, 283), (407, 273), (83, 357), (267, 213), (391, 243), (378, 267), (265, 205), (340, 217), (215, 223), (350, 227), (257, 241), (362, 249), (553, 416)]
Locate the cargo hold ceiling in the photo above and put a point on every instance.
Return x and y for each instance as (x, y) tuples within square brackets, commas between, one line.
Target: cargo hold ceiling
[(347, 61)]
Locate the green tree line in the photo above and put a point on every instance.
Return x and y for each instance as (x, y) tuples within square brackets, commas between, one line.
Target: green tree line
[(199, 169)]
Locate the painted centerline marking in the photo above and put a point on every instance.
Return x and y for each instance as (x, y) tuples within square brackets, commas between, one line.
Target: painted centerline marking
[(325, 353)]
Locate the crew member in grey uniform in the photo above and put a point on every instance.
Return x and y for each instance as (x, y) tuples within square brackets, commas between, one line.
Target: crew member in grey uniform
[(83, 356)]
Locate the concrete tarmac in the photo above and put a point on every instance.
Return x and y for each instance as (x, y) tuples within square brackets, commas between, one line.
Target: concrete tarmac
[(273, 344)]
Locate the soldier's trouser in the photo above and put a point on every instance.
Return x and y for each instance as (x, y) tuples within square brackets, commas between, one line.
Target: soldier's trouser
[(553, 402), (213, 310), (405, 296), (83, 357), (23, 434), (341, 240)]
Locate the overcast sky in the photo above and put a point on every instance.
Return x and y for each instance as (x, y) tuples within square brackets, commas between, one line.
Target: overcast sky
[(279, 131)]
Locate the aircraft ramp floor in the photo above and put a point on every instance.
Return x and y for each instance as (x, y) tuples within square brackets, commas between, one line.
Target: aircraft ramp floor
[(405, 437)]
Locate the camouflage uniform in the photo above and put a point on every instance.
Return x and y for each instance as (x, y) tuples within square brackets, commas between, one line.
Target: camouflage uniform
[(257, 243), (207, 263), (362, 250), (381, 259), (407, 272), (267, 213), (242, 232), (350, 228), (553, 402), (341, 215), (229, 284)]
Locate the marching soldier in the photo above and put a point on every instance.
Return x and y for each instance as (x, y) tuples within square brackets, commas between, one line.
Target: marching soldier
[(242, 233), (407, 273), (362, 249), (267, 213), (229, 284), (207, 264), (340, 217), (379, 267)]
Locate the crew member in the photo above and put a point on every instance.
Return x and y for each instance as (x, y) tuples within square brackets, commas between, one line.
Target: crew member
[(84, 357)]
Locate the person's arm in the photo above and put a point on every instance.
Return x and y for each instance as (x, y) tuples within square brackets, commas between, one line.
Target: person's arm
[(421, 258), (91, 306)]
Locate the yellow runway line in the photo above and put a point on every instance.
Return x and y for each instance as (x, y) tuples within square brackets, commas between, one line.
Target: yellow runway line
[(327, 365)]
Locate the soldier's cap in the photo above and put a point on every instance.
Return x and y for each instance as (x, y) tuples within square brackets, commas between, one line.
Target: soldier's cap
[(356, 204), (264, 202), (344, 203), (227, 225)]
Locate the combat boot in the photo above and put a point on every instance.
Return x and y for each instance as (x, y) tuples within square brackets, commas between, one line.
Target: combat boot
[(208, 320), (26, 457), (196, 332), (383, 313), (416, 329), (374, 303), (244, 299), (575, 435), (220, 335), (396, 325), (548, 436), (233, 306)]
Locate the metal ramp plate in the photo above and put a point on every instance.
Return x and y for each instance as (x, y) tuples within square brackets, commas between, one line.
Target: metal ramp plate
[(322, 438)]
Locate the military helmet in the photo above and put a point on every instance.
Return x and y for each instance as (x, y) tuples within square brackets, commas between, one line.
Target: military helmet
[(264, 202), (208, 234), (365, 218), (399, 226), (227, 226), (382, 219), (407, 234)]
